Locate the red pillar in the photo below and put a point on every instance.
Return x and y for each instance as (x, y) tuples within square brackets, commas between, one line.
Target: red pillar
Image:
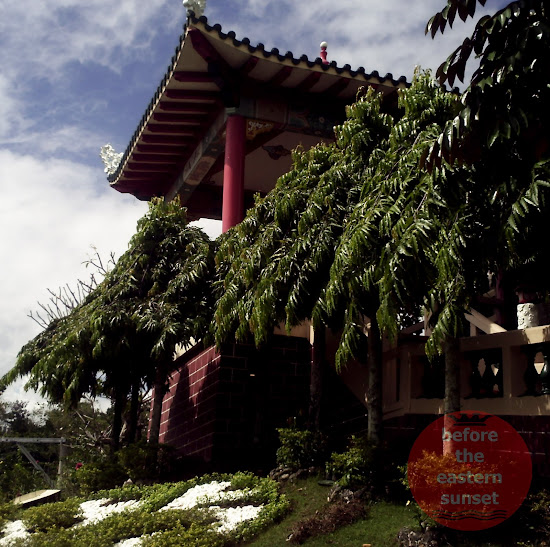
[(233, 172)]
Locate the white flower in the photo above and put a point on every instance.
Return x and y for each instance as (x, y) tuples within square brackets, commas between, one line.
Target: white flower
[(231, 517), (131, 542), (198, 494), (96, 510), (12, 531)]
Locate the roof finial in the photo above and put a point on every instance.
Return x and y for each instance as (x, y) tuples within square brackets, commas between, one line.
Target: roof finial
[(323, 47), (196, 6)]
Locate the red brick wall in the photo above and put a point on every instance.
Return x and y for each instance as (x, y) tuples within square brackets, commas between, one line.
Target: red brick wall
[(535, 431), (189, 407), (225, 407)]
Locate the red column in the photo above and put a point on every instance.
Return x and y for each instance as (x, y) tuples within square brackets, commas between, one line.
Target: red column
[(233, 172)]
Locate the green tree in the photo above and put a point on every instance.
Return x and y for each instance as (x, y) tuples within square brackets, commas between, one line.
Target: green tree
[(383, 266), (499, 134), (124, 334), (318, 246), (158, 295)]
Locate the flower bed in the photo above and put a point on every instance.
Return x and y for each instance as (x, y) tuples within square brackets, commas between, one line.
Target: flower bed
[(208, 511)]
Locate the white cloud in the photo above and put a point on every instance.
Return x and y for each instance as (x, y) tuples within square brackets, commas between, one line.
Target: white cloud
[(48, 35), (51, 212)]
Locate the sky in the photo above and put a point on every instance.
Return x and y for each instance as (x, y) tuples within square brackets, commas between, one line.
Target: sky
[(76, 75)]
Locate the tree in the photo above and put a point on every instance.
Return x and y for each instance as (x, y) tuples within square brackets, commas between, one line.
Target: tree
[(500, 133), (383, 265), (272, 266), (158, 295), (66, 298), (124, 333), (318, 246), (507, 95), (502, 125)]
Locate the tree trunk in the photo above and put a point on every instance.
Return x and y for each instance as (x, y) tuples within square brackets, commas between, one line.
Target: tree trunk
[(452, 387), (159, 390), (134, 411), (118, 409), (374, 396), (318, 351)]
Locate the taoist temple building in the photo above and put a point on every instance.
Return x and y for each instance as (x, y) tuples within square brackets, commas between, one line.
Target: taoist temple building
[(219, 129)]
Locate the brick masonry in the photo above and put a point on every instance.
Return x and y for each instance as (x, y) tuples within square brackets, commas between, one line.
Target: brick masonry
[(535, 431), (224, 407)]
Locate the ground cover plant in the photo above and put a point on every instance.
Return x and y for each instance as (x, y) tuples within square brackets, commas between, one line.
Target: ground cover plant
[(212, 510)]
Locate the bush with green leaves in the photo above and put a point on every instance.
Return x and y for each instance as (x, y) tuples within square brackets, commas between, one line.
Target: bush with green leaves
[(194, 536), (145, 461), (51, 524), (300, 448), (355, 466), (8, 511), (61, 514), (101, 475)]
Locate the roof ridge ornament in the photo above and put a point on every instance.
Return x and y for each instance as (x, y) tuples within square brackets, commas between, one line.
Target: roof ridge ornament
[(110, 158), (323, 47), (196, 6)]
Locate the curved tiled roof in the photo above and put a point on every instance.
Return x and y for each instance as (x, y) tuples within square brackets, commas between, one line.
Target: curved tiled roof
[(259, 51)]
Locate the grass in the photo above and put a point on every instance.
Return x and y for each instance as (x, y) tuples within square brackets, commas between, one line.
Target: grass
[(306, 496), (381, 526)]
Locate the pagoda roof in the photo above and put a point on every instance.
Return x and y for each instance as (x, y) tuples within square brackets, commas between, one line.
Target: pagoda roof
[(207, 73)]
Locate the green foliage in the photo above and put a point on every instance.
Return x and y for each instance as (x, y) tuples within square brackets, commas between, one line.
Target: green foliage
[(52, 523), (299, 448), (354, 467), (535, 514), (145, 460), (135, 523), (194, 536), (158, 294), (100, 475), (507, 94), (8, 511), (62, 514)]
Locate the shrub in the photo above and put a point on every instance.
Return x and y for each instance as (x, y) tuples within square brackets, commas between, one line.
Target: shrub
[(299, 448), (328, 520), (138, 522), (61, 514), (194, 536), (355, 466), (95, 476), (8, 511), (143, 460)]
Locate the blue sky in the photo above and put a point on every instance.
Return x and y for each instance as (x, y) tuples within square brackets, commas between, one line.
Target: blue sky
[(77, 75)]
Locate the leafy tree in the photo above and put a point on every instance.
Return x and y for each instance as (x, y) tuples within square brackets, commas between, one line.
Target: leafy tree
[(124, 333), (272, 266), (384, 263), (158, 295), (507, 95), (500, 133), (320, 246)]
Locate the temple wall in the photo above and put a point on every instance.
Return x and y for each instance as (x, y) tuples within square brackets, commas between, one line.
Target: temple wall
[(224, 407), (535, 431), (189, 408)]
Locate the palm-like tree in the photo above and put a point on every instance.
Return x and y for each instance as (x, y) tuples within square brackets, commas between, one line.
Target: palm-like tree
[(124, 334)]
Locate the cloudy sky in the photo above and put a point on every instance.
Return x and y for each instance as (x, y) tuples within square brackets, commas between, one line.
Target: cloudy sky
[(77, 75)]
